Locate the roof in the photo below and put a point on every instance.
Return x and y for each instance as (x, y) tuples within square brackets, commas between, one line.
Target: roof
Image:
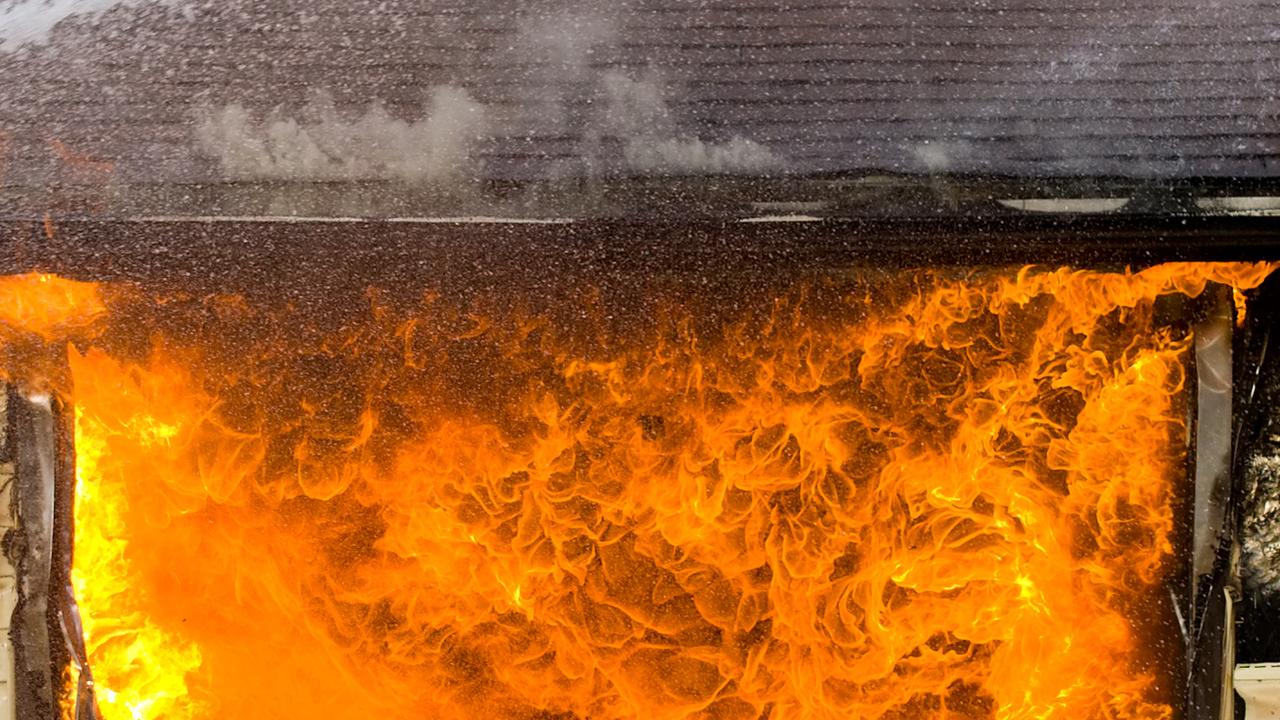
[(447, 92)]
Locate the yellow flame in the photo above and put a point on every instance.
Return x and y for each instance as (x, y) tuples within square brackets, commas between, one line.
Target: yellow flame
[(139, 668), (913, 495), (48, 305)]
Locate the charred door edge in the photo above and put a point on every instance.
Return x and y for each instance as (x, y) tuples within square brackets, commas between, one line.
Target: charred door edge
[(45, 631), (33, 443)]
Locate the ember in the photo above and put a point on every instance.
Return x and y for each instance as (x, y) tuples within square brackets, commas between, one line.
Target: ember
[(898, 495)]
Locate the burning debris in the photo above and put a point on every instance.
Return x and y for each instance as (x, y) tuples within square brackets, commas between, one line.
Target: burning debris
[(864, 494)]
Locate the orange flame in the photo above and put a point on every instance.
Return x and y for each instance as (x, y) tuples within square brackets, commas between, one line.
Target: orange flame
[(921, 495), (48, 306)]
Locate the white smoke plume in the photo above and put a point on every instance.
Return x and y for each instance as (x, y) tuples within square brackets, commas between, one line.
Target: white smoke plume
[(555, 46), (694, 156), (942, 155), (324, 145), (638, 114), (564, 40)]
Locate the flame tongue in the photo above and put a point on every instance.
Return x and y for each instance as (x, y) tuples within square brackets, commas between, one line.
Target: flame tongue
[(913, 496)]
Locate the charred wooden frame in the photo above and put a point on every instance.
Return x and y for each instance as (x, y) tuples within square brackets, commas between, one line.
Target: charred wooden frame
[(37, 444)]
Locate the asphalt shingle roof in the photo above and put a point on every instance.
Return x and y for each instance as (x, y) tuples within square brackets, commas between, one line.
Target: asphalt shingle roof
[(212, 90)]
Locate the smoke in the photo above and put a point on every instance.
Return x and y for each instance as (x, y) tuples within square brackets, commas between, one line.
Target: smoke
[(569, 95), (563, 93), (933, 157), (557, 47), (637, 114), (692, 156), (26, 22), (636, 108), (565, 40), (941, 156), (325, 146)]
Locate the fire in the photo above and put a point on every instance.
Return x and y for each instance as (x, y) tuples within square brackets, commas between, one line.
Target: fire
[(47, 306), (946, 494)]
